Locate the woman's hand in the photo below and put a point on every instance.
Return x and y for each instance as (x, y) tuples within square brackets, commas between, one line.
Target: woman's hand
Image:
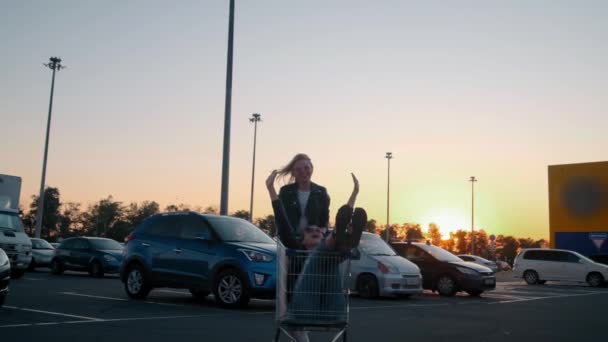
[(270, 185), (353, 196)]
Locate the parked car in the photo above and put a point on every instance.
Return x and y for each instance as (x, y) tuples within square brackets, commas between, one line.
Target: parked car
[(42, 254), (444, 272), (5, 276), (95, 255), (55, 244), (480, 261), (503, 265), (15, 243), (203, 253), (538, 265), (600, 258), (376, 270)]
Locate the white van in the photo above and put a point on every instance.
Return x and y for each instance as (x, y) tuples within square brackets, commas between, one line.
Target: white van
[(537, 265), (13, 240)]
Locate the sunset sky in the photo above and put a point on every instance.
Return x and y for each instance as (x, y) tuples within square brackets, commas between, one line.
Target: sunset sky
[(495, 89)]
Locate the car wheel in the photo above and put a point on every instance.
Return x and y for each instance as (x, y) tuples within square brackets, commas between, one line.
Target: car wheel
[(595, 280), (230, 290), (32, 265), (367, 286), (446, 286), (199, 294), (96, 269), (17, 273), (56, 267), (475, 293), (136, 285), (531, 277)]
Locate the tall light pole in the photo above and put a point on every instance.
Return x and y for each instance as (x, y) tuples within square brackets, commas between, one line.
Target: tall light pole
[(255, 118), (227, 111), (472, 180), (389, 156), (55, 65)]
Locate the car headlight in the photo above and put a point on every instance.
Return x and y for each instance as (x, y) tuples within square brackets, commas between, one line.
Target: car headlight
[(3, 259), (256, 256), (468, 271), (109, 258)]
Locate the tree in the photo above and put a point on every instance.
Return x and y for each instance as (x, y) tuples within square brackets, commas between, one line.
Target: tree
[(413, 231), (434, 234), (211, 209), (136, 214), (460, 239), (244, 214), (371, 226), (70, 220), (101, 217), (482, 243), (507, 248), (50, 218), (267, 224)]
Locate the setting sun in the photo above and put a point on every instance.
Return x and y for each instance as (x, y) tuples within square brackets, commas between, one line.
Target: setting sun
[(448, 221)]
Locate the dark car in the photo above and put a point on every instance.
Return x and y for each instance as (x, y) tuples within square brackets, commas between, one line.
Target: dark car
[(203, 253), (601, 258), (5, 275), (444, 272), (95, 255)]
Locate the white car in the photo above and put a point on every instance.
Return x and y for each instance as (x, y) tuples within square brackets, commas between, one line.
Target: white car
[(376, 270), (537, 265), (480, 261), (42, 254)]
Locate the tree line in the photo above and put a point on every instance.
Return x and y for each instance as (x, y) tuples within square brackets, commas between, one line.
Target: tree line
[(115, 220)]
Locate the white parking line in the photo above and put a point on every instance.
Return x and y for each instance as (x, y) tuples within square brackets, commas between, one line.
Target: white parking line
[(52, 313), (541, 298), (115, 298)]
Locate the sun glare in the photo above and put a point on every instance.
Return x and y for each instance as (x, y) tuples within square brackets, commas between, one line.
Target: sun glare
[(449, 221)]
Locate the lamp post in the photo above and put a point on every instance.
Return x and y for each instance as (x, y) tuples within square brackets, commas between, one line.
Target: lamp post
[(255, 118), (472, 180), (389, 156), (227, 113), (55, 65)]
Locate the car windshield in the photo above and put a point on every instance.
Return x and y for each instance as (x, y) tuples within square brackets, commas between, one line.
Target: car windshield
[(440, 254), (374, 245), (10, 221), (239, 230), (41, 244), (105, 244)]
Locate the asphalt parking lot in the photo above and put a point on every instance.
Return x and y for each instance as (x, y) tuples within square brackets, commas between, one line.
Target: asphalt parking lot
[(76, 307)]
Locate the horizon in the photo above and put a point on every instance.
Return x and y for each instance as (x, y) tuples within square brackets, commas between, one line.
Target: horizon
[(499, 91)]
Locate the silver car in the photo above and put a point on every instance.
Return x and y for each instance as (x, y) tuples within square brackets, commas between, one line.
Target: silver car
[(480, 261), (42, 254), (376, 270)]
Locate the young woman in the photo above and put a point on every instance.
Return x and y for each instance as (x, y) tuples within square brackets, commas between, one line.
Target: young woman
[(318, 290), (306, 203)]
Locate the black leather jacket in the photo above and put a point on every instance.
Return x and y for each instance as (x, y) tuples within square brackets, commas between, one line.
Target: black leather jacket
[(317, 208)]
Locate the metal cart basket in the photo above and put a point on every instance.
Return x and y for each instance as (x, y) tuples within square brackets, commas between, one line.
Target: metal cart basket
[(312, 291)]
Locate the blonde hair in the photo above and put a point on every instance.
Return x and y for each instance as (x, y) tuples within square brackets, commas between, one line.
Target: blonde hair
[(287, 170)]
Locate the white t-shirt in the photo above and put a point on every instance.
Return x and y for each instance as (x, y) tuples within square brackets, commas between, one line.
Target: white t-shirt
[(303, 199)]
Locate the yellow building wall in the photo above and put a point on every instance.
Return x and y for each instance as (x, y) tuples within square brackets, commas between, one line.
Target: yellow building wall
[(578, 198)]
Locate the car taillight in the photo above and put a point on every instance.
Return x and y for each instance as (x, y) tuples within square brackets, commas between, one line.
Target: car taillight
[(129, 238), (382, 267)]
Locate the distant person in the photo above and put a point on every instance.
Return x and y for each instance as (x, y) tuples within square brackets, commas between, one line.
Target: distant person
[(306, 203)]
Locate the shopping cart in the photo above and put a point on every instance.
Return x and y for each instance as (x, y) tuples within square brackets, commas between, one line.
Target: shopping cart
[(312, 292)]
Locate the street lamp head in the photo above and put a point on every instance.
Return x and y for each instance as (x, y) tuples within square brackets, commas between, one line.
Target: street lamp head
[(389, 155), (255, 117), (472, 179), (54, 64)]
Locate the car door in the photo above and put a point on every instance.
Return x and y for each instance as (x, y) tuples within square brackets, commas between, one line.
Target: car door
[(160, 241), (424, 261), (550, 265), (80, 254), (196, 251), (571, 267)]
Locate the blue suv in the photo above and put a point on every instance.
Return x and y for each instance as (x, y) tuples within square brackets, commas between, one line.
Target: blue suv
[(203, 253)]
